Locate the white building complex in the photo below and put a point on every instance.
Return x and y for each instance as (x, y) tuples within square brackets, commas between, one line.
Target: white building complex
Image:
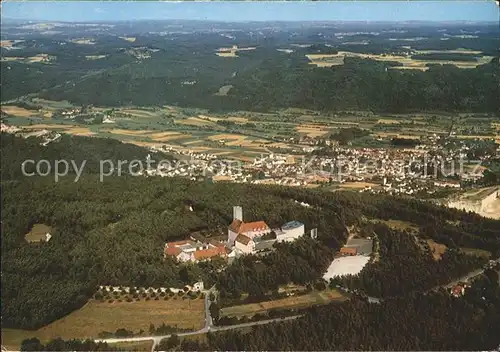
[(253, 237)]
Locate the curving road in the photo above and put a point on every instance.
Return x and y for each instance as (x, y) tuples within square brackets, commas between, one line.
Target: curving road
[(156, 339), (209, 327)]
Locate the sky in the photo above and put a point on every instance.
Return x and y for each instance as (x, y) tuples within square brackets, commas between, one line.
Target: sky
[(446, 10)]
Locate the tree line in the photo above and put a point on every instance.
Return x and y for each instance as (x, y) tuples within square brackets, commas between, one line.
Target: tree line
[(434, 321), (113, 233)]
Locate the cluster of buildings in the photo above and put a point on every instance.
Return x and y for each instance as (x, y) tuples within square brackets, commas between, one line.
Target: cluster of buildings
[(254, 237), (242, 238), (388, 170), (194, 251), (356, 246)]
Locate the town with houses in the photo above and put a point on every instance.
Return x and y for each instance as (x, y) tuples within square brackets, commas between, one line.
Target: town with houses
[(422, 170)]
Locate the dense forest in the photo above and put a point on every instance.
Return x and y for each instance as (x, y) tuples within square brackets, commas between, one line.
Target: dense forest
[(434, 321), (59, 344), (152, 70), (278, 81), (113, 232), (400, 255), (87, 151)]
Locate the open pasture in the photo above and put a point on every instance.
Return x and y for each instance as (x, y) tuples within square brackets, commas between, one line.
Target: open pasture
[(96, 317), (407, 62), (300, 301), (17, 111), (313, 130)]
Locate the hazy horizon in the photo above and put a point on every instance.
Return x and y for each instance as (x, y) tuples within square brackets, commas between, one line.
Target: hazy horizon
[(262, 11)]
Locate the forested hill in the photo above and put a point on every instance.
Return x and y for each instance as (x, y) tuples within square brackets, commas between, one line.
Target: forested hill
[(92, 151), (113, 232), (273, 69), (419, 322), (278, 81)]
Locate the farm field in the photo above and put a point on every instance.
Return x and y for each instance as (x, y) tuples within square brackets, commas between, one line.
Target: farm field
[(357, 185), (313, 130), (76, 130), (301, 301), (18, 111), (407, 62), (96, 317), (245, 136)]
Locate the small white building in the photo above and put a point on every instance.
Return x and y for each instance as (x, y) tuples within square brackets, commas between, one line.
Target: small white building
[(244, 244)]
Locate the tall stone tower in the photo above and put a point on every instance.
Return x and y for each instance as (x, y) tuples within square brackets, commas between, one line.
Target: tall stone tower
[(237, 213)]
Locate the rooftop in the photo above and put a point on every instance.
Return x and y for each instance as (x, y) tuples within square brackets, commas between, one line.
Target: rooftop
[(292, 225), (209, 253), (262, 245), (239, 226), (243, 239)]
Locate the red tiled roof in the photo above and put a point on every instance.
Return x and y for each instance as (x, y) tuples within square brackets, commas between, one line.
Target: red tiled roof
[(235, 225), (239, 226), (253, 226), (348, 250), (178, 243), (175, 251), (457, 290), (243, 239), (209, 253)]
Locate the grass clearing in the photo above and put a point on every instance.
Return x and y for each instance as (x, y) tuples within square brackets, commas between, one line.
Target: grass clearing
[(227, 54), (138, 112), (195, 121), (437, 249), (95, 57), (40, 58), (79, 131), (408, 63), (37, 233), (309, 299), (224, 90), (401, 225), (167, 136), (6, 43), (357, 185), (83, 41), (69, 129), (388, 122), (134, 345), (476, 251), (128, 39), (129, 132), (456, 51), (224, 136), (313, 130), (96, 317)]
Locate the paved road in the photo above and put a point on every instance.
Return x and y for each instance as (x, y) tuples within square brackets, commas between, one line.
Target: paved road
[(210, 327), (156, 339), (208, 317), (469, 276)]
